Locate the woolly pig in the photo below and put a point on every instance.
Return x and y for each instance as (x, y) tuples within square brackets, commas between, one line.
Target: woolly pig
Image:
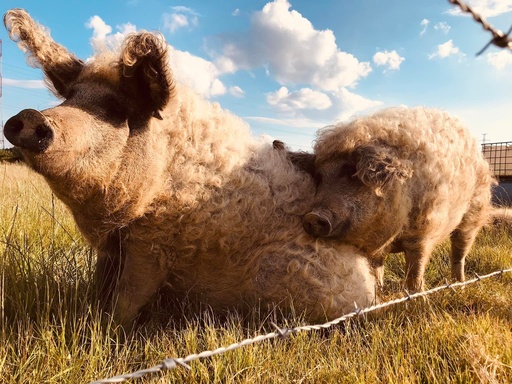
[(172, 190), (399, 180)]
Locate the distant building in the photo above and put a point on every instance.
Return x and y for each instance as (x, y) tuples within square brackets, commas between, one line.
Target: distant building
[(499, 156)]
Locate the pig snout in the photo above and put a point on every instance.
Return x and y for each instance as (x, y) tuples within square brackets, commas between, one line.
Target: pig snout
[(30, 130), (318, 223)]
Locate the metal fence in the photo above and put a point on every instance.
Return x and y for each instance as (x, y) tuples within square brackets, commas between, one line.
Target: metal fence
[(499, 156)]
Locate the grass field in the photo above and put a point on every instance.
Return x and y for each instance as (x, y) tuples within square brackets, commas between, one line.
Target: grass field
[(52, 331)]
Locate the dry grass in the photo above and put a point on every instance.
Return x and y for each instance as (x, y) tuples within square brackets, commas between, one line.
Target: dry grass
[(52, 331)]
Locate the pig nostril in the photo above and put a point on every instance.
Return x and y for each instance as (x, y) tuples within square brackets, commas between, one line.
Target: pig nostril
[(15, 126), (316, 225), (324, 227), (43, 132), (308, 227)]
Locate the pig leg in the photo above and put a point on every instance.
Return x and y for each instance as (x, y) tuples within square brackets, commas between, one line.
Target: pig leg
[(140, 280), (109, 265), (417, 256), (378, 268), (462, 239), (108, 271)]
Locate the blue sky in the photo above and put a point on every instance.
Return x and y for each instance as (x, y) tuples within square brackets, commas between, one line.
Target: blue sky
[(291, 67)]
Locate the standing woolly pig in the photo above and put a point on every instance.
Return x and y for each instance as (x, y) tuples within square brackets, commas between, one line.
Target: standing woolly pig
[(399, 180), (172, 190)]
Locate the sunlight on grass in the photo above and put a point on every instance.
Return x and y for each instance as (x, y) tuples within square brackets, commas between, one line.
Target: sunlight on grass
[(52, 330)]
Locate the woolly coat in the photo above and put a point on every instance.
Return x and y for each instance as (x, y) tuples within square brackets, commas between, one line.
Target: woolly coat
[(174, 191)]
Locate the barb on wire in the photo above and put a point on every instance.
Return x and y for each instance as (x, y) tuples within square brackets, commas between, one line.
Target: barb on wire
[(171, 363), (499, 38)]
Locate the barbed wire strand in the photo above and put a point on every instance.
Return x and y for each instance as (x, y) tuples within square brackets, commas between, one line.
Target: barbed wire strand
[(171, 363), (499, 38)]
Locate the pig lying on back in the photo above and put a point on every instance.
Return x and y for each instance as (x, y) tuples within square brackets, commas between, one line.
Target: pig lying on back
[(399, 180), (172, 190)]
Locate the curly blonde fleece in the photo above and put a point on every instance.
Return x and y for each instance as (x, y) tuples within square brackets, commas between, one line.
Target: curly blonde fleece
[(178, 193), (226, 222), (442, 187), (446, 163)]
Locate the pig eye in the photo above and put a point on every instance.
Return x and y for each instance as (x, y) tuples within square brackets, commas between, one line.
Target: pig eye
[(348, 170)]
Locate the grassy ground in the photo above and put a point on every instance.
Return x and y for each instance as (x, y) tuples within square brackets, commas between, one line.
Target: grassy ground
[(51, 330)]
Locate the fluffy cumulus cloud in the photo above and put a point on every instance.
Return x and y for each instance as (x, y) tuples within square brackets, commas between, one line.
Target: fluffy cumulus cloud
[(445, 50), (314, 73), (102, 37), (500, 60), (391, 60), (348, 104), (198, 73), (307, 107), (301, 99), (180, 17), (294, 52), (486, 8)]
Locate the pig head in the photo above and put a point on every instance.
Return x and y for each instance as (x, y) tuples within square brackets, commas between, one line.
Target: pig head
[(359, 195), (85, 145)]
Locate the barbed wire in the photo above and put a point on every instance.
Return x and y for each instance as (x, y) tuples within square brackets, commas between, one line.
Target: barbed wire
[(171, 363), (499, 38)]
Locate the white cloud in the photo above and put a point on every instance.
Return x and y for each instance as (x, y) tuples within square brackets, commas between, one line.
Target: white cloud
[(391, 59), (292, 49), (30, 84), (100, 29), (196, 72), (424, 23), (445, 50), (217, 88), (236, 12), (347, 104), (236, 91), (442, 27), (174, 21), (182, 17), (486, 8), (311, 107), (305, 98), (102, 37), (500, 60)]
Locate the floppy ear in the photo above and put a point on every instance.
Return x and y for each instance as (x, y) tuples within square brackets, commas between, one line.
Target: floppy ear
[(302, 160), (378, 166), (145, 72), (59, 66), (278, 145)]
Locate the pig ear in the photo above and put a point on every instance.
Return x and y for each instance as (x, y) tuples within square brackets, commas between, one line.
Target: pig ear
[(145, 71), (379, 166), (303, 161), (59, 66)]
